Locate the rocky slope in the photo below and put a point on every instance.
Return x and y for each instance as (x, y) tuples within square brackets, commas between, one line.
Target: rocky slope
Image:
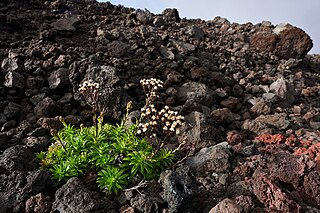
[(249, 94)]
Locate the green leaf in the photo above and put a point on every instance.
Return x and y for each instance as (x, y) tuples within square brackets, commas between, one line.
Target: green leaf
[(112, 179)]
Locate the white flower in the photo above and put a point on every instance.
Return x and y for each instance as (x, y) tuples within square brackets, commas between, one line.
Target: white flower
[(139, 131), (96, 85), (174, 124)]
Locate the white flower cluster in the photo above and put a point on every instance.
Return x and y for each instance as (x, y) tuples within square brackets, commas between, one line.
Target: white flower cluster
[(165, 120), (88, 86), (90, 91), (151, 87), (153, 121)]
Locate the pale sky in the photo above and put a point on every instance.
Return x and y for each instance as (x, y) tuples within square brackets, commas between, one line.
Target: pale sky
[(304, 14)]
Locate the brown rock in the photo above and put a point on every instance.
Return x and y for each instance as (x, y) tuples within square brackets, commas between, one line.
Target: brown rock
[(311, 185), (234, 137), (245, 202), (293, 43), (273, 197), (231, 103), (286, 41), (38, 204), (265, 41), (226, 206), (199, 72), (224, 115), (261, 107), (127, 209)]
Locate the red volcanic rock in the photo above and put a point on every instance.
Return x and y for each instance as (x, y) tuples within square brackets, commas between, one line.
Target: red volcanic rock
[(273, 197), (285, 41), (226, 205), (234, 137)]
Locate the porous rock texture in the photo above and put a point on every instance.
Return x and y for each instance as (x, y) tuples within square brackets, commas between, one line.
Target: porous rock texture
[(232, 82)]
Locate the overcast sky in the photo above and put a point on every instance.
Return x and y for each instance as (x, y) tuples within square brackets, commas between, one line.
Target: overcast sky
[(304, 14)]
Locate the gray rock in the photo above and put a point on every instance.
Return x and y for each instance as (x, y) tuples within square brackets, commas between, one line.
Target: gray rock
[(3, 118), (12, 195), (118, 49), (34, 82), (12, 111), (270, 97), (37, 98), (59, 78), (3, 140), (144, 16), (9, 65), (195, 32), (314, 125), (65, 24), (17, 158), (254, 127), (179, 189), (14, 80), (8, 125), (18, 186), (212, 159), (74, 197), (199, 131), (112, 96), (166, 53), (284, 90), (183, 47), (46, 108), (171, 14), (195, 92), (36, 144), (146, 204), (67, 98), (278, 121), (20, 132)]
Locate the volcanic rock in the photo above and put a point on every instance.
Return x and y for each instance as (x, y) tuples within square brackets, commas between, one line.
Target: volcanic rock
[(74, 197), (232, 82)]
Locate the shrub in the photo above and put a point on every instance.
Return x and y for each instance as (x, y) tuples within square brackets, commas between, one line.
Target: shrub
[(116, 152)]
